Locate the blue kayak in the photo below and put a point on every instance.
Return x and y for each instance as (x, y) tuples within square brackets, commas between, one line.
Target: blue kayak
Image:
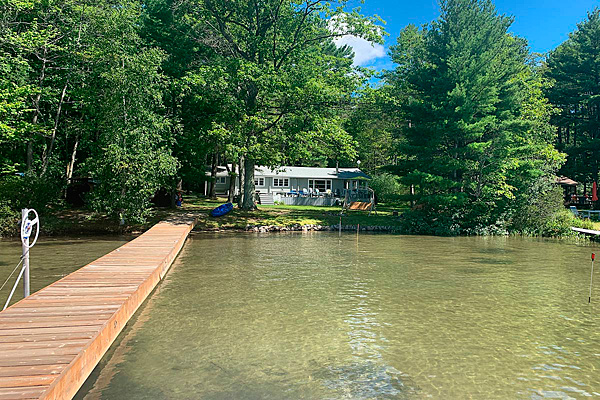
[(222, 210)]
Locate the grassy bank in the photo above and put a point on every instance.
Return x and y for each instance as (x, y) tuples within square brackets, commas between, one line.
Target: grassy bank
[(283, 215)]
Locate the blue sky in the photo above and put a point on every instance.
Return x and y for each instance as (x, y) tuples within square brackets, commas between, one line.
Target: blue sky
[(544, 23)]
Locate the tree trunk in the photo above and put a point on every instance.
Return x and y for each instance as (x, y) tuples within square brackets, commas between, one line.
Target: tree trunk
[(241, 181), (232, 177), (71, 164), (248, 202), (29, 155), (213, 177), (70, 168), (46, 156), (36, 112)]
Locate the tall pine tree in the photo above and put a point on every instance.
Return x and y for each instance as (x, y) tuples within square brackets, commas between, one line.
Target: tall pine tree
[(470, 134), (575, 68)]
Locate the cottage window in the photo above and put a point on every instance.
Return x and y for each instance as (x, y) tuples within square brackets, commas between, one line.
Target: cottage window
[(321, 184), (221, 179), (259, 181), (281, 182)]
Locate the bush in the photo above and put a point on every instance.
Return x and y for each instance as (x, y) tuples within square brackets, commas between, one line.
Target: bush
[(430, 222), (9, 221), (386, 187), (545, 215), (128, 179), (560, 223), (18, 192), (541, 214)]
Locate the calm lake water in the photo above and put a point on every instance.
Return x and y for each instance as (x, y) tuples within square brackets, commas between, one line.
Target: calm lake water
[(50, 260), (316, 316)]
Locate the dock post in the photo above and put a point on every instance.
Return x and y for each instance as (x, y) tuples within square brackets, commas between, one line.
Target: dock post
[(25, 247)]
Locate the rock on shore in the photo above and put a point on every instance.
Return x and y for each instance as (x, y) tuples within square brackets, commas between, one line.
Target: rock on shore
[(314, 228)]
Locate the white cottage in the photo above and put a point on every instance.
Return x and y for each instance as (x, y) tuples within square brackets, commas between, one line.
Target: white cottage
[(290, 184)]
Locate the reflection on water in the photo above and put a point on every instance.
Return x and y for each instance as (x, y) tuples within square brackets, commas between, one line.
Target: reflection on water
[(317, 316), (51, 259)]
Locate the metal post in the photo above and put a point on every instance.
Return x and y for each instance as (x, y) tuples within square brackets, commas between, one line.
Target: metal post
[(25, 246)]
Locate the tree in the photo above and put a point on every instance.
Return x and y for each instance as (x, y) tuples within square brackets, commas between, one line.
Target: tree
[(282, 80), (471, 141), (575, 69), (123, 95), (14, 92), (375, 125)]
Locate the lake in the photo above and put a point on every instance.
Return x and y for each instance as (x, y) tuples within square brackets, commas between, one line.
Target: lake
[(319, 316)]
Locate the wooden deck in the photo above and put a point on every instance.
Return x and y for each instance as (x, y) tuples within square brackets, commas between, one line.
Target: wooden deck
[(51, 341), (586, 231)]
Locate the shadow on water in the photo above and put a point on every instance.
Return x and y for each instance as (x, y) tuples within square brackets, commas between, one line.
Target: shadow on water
[(491, 261), (368, 380)]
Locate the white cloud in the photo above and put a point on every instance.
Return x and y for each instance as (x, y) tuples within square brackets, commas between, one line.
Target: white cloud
[(364, 51)]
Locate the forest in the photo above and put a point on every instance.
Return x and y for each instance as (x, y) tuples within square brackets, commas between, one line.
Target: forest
[(469, 129)]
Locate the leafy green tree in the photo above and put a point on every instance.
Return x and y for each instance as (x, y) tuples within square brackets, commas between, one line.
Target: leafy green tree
[(14, 92), (282, 81), (132, 157), (38, 41), (471, 142), (375, 125), (575, 69)]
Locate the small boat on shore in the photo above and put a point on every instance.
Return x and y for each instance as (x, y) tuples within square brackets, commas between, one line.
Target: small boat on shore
[(222, 210)]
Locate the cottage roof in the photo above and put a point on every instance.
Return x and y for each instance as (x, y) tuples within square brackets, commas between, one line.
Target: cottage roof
[(312, 172), (303, 172)]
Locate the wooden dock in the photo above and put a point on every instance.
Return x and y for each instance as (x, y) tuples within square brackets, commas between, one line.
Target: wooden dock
[(586, 231), (51, 341)]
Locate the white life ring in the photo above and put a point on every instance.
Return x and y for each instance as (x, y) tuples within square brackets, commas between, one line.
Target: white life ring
[(27, 228)]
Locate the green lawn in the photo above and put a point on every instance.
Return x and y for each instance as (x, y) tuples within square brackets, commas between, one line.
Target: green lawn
[(283, 215)]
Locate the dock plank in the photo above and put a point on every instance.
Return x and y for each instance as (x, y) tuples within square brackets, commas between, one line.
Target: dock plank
[(51, 341), (20, 393), (26, 381), (31, 370)]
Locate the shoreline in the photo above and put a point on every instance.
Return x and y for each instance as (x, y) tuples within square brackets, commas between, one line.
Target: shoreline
[(387, 220)]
